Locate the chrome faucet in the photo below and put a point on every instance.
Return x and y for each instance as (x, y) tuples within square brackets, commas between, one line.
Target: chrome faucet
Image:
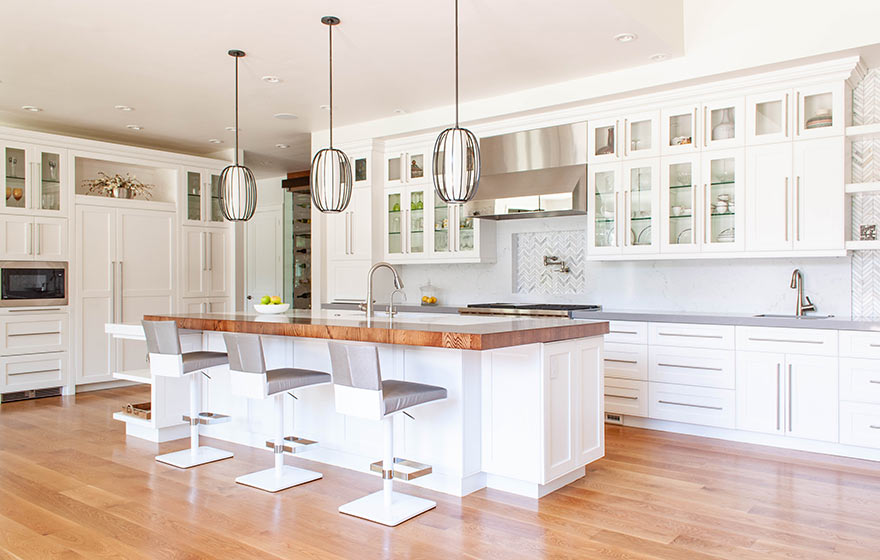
[(398, 284), (797, 283)]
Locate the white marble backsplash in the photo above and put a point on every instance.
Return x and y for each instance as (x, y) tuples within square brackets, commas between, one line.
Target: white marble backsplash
[(532, 276)]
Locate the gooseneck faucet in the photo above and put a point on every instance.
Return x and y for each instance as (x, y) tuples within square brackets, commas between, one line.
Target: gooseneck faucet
[(797, 283), (398, 284)]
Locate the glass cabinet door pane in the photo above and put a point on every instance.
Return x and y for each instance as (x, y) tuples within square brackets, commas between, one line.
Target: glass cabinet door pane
[(441, 225), (465, 231), (394, 169), (604, 140), (640, 205), (360, 169), (395, 241), (681, 129), (193, 195), (641, 135), (16, 172), (769, 118), (417, 222), (721, 200), (214, 202), (722, 123), (606, 209), (50, 181), (681, 200), (817, 111), (416, 166)]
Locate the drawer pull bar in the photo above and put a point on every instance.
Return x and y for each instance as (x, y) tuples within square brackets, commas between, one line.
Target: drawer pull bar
[(691, 405), (872, 345), (634, 332), (786, 340), (875, 381), (34, 371), (691, 367), (33, 333), (621, 361), (40, 310), (691, 335), (622, 397), (873, 427)]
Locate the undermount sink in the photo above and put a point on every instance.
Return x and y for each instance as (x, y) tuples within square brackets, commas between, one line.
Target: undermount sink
[(784, 316)]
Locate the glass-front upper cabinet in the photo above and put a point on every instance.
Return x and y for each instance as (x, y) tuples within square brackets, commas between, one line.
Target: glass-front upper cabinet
[(679, 203), (769, 117), (640, 203), (360, 169), (202, 196), (194, 196), (723, 124), (406, 215), (406, 167), (722, 219), (641, 135), (604, 208), (679, 128), (442, 226), (819, 111), (603, 140), (33, 178)]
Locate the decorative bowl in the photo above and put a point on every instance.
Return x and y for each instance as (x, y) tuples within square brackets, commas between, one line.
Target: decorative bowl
[(271, 309)]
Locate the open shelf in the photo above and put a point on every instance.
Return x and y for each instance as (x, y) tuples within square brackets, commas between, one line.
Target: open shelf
[(138, 376), (863, 132), (123, 417), (164, 179), (853, 188), (859, 245)]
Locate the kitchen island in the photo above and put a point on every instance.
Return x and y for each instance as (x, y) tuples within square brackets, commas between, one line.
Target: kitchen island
[(524, 411)]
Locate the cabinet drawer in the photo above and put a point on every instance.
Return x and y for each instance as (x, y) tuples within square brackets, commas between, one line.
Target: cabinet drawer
[(18, 373), (32, 334), (860, 424), (860, 380), (704, 367), (626, 396), (693, 405), (695, 336), (626, 361), (814, 342), (855, 344), (627, 331)]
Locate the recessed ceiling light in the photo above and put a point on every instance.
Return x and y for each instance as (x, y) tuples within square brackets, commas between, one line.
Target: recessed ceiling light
[(271, 79), (31, 108), (282, 146), (400, 111), (285, 116), (125, 108), (134, 127), (658, 57), (215, 141), (325, 107), (625, 37), (231, 129)]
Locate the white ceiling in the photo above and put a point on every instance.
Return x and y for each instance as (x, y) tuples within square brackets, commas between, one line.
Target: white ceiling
[(167, 59)]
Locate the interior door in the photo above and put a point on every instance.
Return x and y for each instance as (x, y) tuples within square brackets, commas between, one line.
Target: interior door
[(760, 387), (812, 395), (264, 253), (768, 195), (819, 202), (96, 279)]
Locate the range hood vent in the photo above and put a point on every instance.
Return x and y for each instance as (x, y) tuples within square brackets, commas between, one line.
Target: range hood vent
[(533, 173)]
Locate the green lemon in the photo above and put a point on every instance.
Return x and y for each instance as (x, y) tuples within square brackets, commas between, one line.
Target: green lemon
[(265, 300), (396, 207)]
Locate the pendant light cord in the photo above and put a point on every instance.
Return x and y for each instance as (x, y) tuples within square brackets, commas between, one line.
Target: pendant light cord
[(456, 63), (331, 85), (236, 110)]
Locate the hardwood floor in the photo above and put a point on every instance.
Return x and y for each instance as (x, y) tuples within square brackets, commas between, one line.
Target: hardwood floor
[(72, 486)]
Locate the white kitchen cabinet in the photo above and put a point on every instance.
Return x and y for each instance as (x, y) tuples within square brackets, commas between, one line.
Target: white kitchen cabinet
[(819, 342), (860, 424), (635, 135), (708, 406), (349, 232), (201, 197), (17, 242), (692, 335), (205, 305), (723, 124), (723, 186), (769, 197), (680, 200), (819, 200), (605, 185), (760, 392), (859, 344), (194, 259), (405, 214), (29, 238), (769, 117), (860, 380), (704, 367), (820, 110), (603, 140), (629, 332), (33, 332), (205, 262), (33, 371), (641, 204), (626, 396), (34, 179), (680, 129), (626, 361), (408, 163)]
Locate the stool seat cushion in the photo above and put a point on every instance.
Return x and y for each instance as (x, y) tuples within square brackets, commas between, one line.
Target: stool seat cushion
[(285, 379), (398, 395), (195, 361)]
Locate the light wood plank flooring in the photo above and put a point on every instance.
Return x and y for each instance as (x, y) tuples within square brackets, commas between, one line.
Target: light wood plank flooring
[(72, 486)]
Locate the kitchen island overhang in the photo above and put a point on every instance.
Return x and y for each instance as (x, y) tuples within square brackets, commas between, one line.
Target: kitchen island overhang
[(525, 406)]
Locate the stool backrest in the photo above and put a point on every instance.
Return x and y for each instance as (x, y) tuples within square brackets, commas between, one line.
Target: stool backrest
[(162, 337), (357, 380), (245, 352)]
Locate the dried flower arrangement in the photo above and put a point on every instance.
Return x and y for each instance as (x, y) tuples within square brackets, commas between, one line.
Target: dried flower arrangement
[(118, 186)]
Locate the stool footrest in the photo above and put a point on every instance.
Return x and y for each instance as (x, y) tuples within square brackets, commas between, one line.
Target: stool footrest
[(207, 418), (296, 444), (418, 469)]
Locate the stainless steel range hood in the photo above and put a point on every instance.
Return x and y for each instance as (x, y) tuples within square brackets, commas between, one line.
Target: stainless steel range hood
[(532, 174)]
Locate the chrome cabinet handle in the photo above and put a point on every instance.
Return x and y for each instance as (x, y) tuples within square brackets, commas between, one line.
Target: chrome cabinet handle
[(628, 332), (351, 232), (204, 258), (790, 403), (875, 381), (121, 292), (622, 397), (38, 239), (33, 333), (873, 427), (705, 135), (616, 221), (778, 395), (797, 113), (694, 141), (797, 208), (690, 367), (40, 310), (786, 115), (691, 405), (113, 266), (33, 371), (754, 339), (30, 238), (625, 137), (621, 361), (716, 336), (210, 250), (707, 223), (786, 209)]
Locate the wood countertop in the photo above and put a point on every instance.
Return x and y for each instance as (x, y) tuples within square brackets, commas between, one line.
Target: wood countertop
[(430, 330)]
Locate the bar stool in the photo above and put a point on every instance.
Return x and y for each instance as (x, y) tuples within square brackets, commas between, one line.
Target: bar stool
[(249, 377), (360, 391), (167, 359)]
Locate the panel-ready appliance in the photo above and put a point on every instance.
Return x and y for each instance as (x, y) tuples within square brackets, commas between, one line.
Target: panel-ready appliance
[(32, 283), (527, 309)]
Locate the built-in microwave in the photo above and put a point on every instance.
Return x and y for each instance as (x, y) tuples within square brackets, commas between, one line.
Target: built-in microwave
[(32, 283)]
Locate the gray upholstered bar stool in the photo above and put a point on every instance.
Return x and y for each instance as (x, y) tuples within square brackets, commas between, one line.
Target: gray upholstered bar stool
[(249, 377), (168, 360), (360, 391)]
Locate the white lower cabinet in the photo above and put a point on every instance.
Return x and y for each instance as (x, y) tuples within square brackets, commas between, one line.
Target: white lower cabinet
[(34, 371), (703, 367), (206, 305), (692, 405), (28, 238), (33, 349), (626, 396), (860, 424), (626, 361)]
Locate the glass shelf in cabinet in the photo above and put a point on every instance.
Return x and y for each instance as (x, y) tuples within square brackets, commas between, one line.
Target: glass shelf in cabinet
[(14, 178), (54, 181), (639, 218), (717, 214), (681, 186), (714, 183), (604, 220), (680, 216)]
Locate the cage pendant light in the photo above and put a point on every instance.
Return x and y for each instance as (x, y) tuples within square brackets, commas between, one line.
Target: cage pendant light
[(456, 161), (330, 177), (238, 188)]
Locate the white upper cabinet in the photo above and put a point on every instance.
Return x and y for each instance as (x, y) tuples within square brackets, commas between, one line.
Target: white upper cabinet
[(348, 233), (603, 140), (29, 238), (641, 180), (405, 214), (679, 130), (723, 192), (819, 209), (679, 204), (605, 190), (412, 164), (34, 179), (641, 135), (769, 117), (723, 124), (769, 197), (201, 197), (819, 111)]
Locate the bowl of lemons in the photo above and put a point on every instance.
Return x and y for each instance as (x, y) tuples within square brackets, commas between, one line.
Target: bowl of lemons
[(271, 305)]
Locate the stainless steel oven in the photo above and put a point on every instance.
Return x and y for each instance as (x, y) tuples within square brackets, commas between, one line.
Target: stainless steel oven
[(32, 283)]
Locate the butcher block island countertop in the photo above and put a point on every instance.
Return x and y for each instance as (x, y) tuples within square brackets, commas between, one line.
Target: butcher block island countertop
[(429, 330)]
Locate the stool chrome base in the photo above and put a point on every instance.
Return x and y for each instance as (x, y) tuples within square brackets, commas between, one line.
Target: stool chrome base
[(275, 480), (373, 508), (187, 458)]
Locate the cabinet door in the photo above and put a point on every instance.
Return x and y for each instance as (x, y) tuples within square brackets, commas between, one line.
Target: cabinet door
[(416, 211), (194, 262), (442, 216), (722, 216), (218, 262), (395, 232), (819, 111), (769, 117), (819, 200), (212, 198), (37, 371), (723, 124), (346, 280), (768, 194), (395, 172), (603, 140), (466, 232), (360, 221), (760, 401), (338, 228), (219, 305), (605, 186), (18, 238), (18, 176), (50, 238), (49, 178), (194, 206), (812, 385), (559, 389), (679, 130), (641, 200), (96, 273), (679, 204), (641, 135), (194, 305)]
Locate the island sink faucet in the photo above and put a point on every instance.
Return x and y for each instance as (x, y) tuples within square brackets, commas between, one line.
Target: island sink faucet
[(797, 283), (398, 284)]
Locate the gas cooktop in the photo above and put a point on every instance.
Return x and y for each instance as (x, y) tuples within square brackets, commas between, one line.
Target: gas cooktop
[(528, 309)]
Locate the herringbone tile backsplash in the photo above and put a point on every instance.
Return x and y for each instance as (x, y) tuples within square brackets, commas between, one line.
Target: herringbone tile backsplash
[(530, 276), (866, 207)]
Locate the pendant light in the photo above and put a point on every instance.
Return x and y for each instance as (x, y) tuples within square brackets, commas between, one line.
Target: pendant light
[(238, 188), (331, 178), (456, 162)]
